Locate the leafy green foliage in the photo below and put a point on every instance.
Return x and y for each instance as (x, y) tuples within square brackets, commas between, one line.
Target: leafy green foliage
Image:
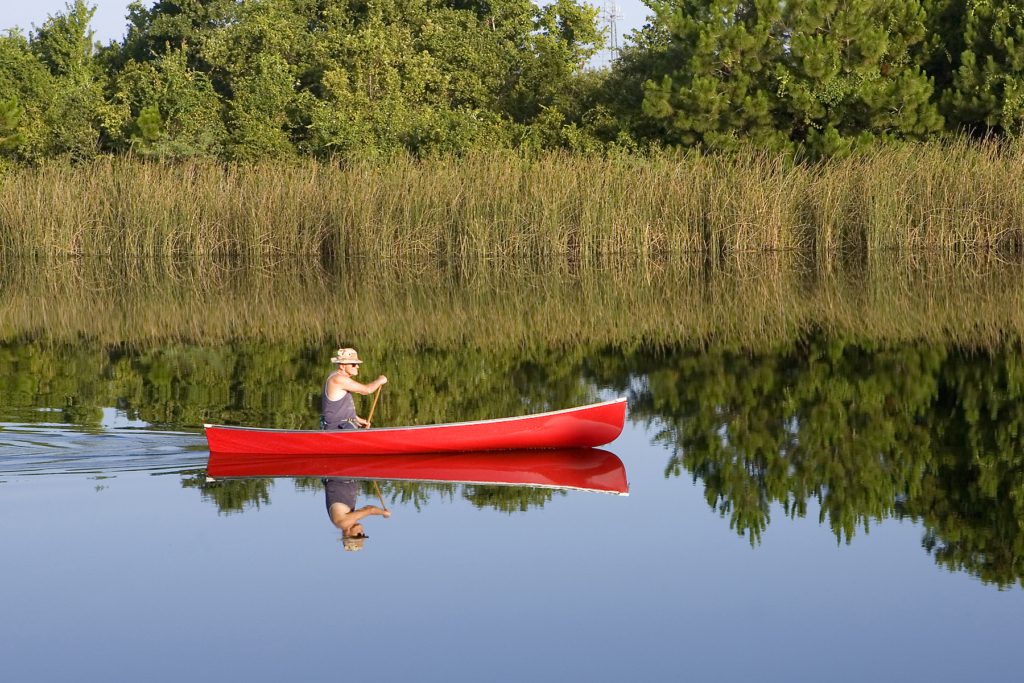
[(150, 125), (848, 76), (273, 79), (55, 77), (64, 43), (360, 80), (165, 109)]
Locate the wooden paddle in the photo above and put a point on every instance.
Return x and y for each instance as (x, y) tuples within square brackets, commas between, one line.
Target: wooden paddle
[(376, 395), (380, 497)]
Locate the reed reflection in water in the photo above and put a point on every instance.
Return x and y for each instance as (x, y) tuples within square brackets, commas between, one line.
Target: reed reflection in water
[(753, 301)]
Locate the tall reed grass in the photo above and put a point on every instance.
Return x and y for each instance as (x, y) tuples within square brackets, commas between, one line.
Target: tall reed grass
[(958, 196)]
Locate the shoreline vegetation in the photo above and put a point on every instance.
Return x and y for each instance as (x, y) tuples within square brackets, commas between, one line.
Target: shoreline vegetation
[(250, 80), (960, 197), (752, 302), (469, 131)]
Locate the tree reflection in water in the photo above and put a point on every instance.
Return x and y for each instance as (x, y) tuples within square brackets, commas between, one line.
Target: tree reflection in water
[(229, 495), (237, 495), (868, 431)]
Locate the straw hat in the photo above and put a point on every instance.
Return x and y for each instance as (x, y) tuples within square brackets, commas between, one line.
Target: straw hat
[(345, 356), (353, 545)]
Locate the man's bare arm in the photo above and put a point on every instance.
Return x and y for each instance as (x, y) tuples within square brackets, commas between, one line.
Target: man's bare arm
[(353, 387)]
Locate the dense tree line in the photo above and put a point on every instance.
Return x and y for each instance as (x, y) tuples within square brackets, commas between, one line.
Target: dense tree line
[(348, 78), (277, 78)]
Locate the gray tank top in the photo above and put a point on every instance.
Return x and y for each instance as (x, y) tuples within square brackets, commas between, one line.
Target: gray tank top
[(336, 413)]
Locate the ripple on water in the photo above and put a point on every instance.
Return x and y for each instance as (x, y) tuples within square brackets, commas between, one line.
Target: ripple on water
[(49, 448)]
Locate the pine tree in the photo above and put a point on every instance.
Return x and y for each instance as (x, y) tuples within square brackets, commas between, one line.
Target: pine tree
[(10, 118), (987, 92), (720, 91), (149, 127), (848, 74)]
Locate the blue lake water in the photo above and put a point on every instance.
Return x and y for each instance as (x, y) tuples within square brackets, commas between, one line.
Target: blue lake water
[(826, 476), (114, 569)]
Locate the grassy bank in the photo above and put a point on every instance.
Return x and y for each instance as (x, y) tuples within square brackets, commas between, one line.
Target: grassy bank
[(957, 197), (756, 301)]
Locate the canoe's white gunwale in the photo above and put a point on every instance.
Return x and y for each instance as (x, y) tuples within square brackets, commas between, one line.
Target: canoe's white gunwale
[(437, 426)]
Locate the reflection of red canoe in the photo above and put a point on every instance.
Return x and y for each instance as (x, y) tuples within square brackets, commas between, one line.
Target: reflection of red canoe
[(588, 426), (587, 469)]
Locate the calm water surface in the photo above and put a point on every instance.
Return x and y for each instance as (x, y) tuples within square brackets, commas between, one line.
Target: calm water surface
[(818, 508)]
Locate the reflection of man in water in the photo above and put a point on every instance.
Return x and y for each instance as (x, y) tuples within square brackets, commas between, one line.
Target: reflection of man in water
[(339, 410), (341, 508)]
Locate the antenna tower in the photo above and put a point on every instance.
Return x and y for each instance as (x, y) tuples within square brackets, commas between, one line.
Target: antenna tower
[(612, 15)]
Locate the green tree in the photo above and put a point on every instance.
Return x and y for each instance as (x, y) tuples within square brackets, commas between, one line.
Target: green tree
[(164, 108), (987, 90), (25, 78), (174, 25), (150, 126), (719, 88), (64, 43), (939, 53), (819, 75), (56, 79), (10, 120), (849, 75), (616, 98)]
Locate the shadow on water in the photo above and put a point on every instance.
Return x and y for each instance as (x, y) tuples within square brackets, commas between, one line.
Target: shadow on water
[(882, 388)]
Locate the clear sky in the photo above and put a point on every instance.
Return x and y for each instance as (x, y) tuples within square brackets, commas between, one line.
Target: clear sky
[(109, 20)]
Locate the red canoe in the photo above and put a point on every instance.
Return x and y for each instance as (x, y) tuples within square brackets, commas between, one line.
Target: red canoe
[(585, 469), (584, 427)]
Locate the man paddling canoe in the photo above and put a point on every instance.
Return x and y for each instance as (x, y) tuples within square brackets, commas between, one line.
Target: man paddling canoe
[(339, 410)]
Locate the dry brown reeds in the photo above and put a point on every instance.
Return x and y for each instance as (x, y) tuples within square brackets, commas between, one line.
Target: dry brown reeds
[(960, 196)]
